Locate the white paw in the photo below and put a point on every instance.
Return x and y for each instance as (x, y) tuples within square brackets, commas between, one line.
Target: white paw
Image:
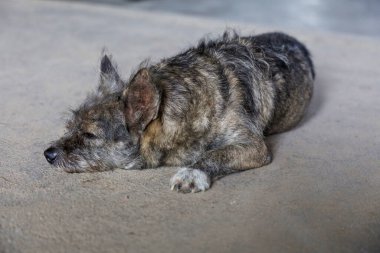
[(190, 180)]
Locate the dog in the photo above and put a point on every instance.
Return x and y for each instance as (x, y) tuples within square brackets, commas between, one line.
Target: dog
[(206, 110)]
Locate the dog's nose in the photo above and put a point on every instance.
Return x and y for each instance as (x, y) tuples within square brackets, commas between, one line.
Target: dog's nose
[(51, 154)]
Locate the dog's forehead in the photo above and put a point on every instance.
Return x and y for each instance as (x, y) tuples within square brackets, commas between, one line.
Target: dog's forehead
[(96, 113)]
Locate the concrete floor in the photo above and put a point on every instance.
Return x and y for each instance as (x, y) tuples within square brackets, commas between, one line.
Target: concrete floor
[(320, 193), (343, 16), (339, 16)]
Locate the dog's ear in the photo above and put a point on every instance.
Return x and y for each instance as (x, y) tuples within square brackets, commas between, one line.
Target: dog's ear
[(109, 81), (142, 101)]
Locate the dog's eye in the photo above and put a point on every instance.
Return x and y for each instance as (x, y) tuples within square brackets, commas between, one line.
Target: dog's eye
[(89, 135)]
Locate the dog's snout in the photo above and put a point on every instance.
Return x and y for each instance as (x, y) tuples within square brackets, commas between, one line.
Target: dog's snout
[(51, 154)]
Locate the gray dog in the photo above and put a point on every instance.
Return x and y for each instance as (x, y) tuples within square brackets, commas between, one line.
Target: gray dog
[(205, 110)]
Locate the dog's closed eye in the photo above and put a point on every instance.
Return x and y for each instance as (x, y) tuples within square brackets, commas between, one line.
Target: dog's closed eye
[(89, 135)]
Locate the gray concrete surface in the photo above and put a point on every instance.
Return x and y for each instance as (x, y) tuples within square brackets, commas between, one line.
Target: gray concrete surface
[(320, 193), (341, 16)]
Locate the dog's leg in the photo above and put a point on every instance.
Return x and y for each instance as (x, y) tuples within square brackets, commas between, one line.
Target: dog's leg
[(219, 162)]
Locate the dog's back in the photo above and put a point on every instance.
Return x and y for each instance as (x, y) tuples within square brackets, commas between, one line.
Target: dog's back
[(292, 74)]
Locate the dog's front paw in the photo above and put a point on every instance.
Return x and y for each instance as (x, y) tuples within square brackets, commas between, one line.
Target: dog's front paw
[(190, 180)]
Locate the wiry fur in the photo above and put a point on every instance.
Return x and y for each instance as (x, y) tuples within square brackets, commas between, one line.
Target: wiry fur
[(206, 110)]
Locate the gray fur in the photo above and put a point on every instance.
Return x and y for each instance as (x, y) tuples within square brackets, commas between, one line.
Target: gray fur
[(205, 110)]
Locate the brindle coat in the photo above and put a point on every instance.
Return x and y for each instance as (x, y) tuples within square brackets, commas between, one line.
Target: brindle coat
[(205, 110)]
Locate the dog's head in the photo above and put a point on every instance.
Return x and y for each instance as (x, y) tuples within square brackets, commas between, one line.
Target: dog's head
[(104, 132)]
